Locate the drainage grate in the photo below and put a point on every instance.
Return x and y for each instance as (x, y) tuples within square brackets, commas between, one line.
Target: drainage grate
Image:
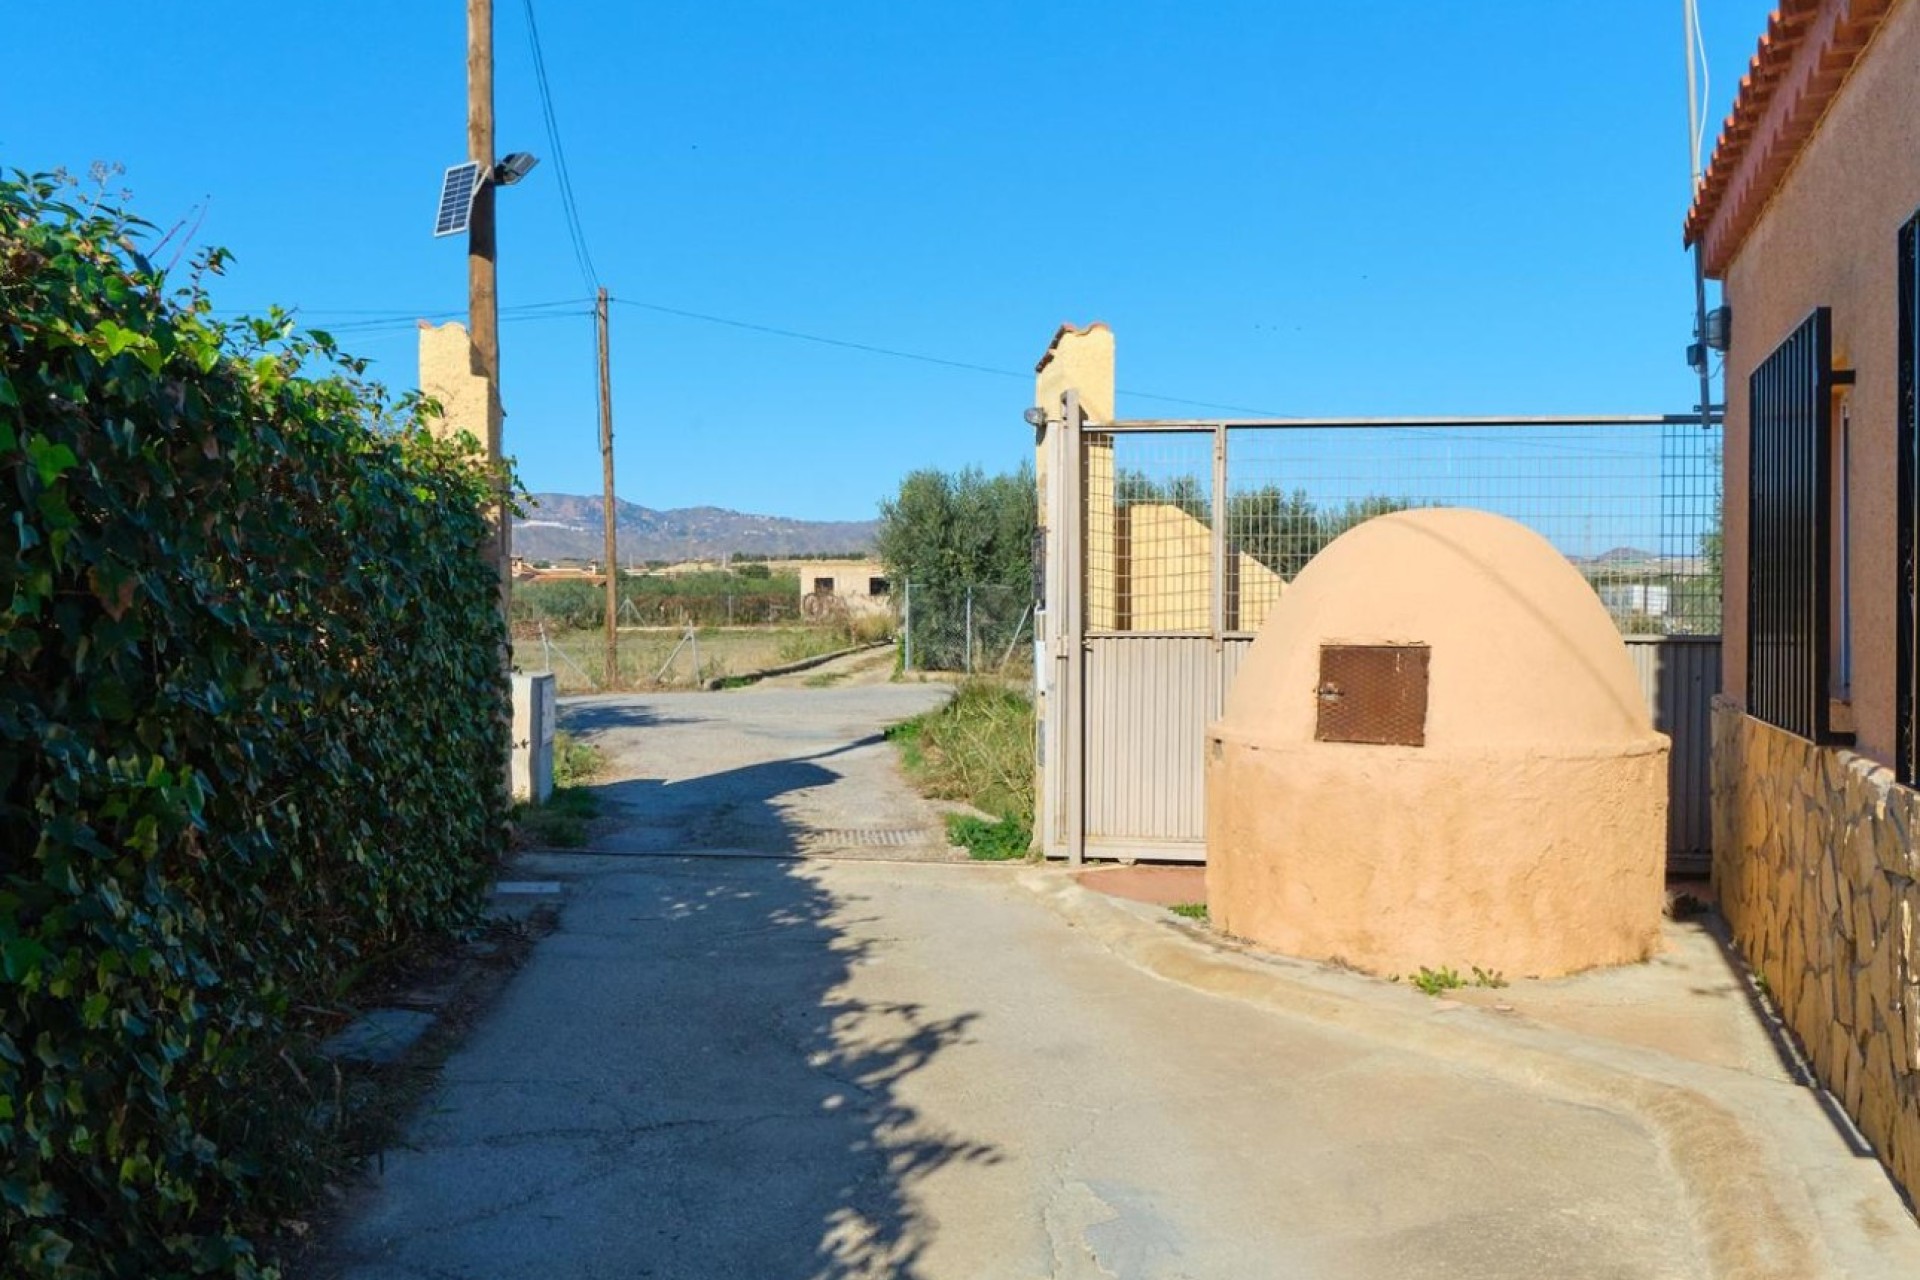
[(888, 837)]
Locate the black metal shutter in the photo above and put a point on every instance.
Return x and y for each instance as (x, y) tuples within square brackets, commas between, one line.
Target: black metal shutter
[(1789, 569), (1907, 659)]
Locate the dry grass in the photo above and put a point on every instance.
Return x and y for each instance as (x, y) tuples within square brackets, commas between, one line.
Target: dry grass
[(578, 658)]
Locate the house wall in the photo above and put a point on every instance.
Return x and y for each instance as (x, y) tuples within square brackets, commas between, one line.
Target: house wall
[(849, 582), (1161, 575), (1815, 864), (1827, 237)]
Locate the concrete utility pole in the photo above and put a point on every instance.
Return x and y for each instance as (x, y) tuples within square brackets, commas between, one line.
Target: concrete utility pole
[(483, 303), (606, 468)]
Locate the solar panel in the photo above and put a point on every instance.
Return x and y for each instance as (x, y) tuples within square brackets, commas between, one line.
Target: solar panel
[(456, 198)]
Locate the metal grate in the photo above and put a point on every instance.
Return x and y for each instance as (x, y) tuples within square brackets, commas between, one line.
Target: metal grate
[(879, 837), (1634, 506), (1789, 570), (1908, 675), (1149, 556), (1373, 693)]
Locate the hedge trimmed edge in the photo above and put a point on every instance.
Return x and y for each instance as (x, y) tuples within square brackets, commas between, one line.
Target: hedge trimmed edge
[(251, 733)]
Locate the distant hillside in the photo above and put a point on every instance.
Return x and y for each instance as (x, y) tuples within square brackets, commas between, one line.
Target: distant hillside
[(560, 526)]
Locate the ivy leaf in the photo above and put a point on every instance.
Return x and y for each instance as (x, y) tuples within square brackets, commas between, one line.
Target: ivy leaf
[(20, 957), (114, 586), (51, 460)]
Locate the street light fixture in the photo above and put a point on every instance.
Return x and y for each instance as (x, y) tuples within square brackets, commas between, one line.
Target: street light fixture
[(514, 166)]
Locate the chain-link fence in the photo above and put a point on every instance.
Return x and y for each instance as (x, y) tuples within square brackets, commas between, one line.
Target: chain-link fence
[(973, 628), (676, 635), (580, 605)]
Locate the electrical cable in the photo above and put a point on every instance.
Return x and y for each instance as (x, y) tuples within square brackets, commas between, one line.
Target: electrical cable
[(569, 206)]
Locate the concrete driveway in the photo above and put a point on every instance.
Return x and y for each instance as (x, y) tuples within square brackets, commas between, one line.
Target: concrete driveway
[(821, 1068), (777, 768)]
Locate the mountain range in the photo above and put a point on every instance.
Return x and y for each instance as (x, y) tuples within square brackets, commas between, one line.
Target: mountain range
[(562, 526)]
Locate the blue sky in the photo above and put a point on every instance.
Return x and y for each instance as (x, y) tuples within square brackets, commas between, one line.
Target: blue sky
[(1296, 208)]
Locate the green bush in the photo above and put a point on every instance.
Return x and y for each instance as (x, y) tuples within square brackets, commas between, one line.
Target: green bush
[(977, 749), (251, 726)]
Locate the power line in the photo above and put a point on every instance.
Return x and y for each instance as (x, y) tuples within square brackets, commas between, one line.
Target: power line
[(916, 356), (399, 313), (795, 334), (401, 325), (568, 205)]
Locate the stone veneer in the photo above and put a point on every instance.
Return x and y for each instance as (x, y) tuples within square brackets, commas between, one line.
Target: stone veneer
[(1813, 858)]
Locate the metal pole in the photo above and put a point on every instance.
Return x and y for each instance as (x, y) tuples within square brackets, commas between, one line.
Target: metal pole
[(1218, 605), (969, 627), (694, 635), (906, 630), (1692, 15), (1018, 629), (1073, 702), (609, 507)]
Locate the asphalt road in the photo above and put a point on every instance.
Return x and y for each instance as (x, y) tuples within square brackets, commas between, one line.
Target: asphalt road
[(783, 767), (817, 1068)]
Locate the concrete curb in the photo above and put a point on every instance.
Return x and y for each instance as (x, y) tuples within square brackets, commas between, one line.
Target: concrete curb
[(1751, 1225), (787, 669)]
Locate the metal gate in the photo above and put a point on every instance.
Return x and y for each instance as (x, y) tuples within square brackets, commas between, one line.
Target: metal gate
[(1169, 541)]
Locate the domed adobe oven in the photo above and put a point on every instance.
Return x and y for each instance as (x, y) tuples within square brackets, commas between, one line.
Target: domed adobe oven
[(1437, 753)]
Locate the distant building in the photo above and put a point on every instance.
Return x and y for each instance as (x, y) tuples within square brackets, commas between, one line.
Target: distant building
[(1646, 599), (827, 587), (528, 572)]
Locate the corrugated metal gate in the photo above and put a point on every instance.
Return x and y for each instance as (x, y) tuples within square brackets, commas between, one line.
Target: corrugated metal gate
[(1177, 538)]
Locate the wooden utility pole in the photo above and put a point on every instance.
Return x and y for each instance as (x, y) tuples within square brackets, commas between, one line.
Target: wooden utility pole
[(483, 303), (608, 512)]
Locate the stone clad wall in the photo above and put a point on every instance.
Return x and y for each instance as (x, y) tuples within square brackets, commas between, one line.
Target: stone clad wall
[(1813, 855)]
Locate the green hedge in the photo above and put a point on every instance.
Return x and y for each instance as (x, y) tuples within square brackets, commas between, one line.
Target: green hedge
[(251, 737)]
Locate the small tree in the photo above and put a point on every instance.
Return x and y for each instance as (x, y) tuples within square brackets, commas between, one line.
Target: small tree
[(949, 530)]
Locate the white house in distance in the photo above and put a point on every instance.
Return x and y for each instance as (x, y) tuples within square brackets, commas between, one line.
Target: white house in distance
[(858, 588)]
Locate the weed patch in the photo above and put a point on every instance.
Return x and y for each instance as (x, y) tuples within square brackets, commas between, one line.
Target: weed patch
[(977, 749), (1446, 978), (1001, 840), (1190, 910), (563, 821)]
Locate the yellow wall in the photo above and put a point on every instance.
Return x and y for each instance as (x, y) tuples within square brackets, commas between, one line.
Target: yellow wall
[(446, 375)]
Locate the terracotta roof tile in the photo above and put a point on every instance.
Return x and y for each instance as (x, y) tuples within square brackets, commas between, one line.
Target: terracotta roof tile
[(1809, 49)]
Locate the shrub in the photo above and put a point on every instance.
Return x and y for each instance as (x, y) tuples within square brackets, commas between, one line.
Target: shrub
[(251, 731), (977, 749)]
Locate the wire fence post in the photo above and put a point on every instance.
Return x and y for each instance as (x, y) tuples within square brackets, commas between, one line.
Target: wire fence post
[(969, 629), (906, 629)]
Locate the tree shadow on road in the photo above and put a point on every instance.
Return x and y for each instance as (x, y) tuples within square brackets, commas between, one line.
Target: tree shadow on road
[(732, 810), (688, 1080), (821, 1182)]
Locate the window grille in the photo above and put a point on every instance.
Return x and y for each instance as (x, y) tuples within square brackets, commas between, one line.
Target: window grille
[(1789, 538), (1908, 409)]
